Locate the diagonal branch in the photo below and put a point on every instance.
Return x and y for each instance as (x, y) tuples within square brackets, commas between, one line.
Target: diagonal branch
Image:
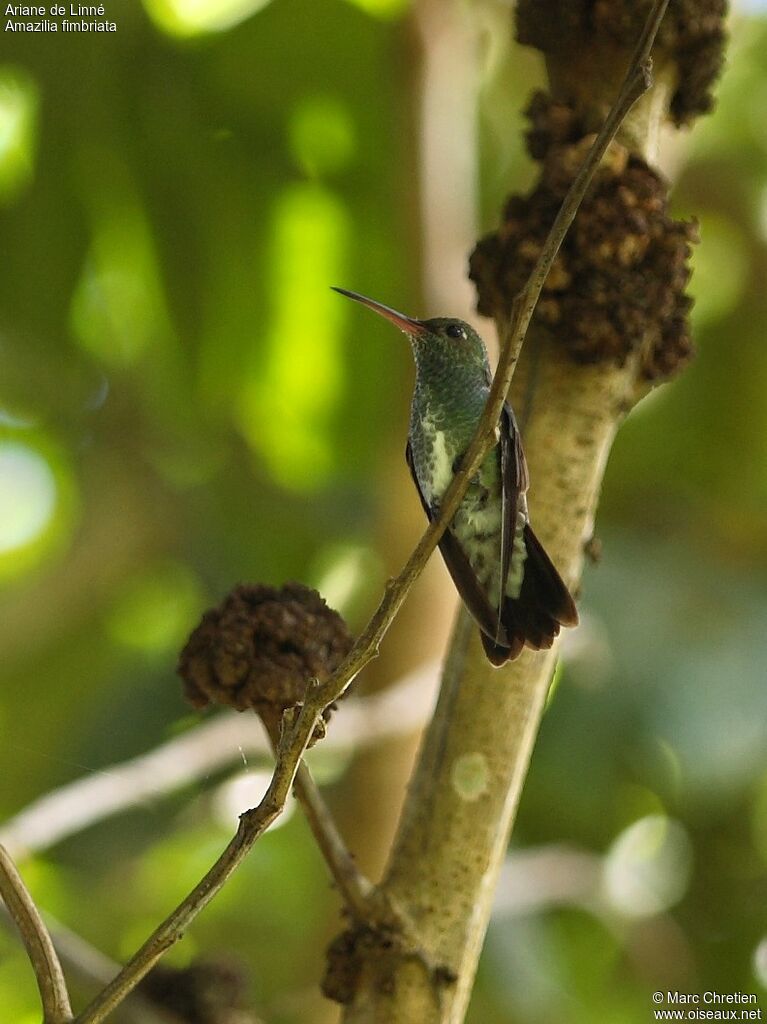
[(297, 735), (37, 942)]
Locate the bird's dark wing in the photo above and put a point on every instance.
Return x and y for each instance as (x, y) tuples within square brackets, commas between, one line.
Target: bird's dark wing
[(544, 585), (511, 439), (514, 483), (460, 569), (544, 602)]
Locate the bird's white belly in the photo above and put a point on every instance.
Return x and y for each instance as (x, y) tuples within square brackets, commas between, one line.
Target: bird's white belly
[(478, 527), (483, 518)]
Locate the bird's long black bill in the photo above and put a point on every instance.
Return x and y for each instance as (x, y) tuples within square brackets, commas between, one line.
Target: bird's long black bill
[(405, 323)]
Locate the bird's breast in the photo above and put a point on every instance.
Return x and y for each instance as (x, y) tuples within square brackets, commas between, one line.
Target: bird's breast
[(434, 452), (480, 511)]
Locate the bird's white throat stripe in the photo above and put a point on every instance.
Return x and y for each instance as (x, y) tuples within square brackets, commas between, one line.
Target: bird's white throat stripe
[(440, 467)]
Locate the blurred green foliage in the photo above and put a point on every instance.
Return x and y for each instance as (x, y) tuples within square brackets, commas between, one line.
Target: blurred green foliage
[(183, 405)]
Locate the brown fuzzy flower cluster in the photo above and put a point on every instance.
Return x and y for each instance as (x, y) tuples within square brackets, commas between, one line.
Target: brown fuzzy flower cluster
[(617, 285), (259, 648), (692, 34), (552, 124)]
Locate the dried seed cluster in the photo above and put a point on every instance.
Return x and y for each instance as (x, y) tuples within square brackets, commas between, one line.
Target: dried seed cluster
[(360, 946), (617, 285), (551, 124), (692, 33), (260, 647)]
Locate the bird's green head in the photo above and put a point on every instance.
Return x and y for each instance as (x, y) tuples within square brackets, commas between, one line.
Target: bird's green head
[(439, 345)]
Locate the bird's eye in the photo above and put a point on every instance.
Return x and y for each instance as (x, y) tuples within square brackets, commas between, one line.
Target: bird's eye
[(455, 331)]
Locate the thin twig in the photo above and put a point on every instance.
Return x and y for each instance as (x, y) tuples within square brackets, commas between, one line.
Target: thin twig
[(37, 942), (254, 822), (93, 969), (356, 889)]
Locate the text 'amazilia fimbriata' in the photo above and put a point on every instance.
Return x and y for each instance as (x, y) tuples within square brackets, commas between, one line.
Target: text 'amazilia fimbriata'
[(504, 576)]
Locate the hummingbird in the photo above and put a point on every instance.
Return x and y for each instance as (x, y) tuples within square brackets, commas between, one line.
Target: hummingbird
[(499, 567)]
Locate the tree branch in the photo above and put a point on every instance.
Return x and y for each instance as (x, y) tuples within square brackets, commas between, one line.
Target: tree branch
[(37, 942), (94, 970), (356, 890)]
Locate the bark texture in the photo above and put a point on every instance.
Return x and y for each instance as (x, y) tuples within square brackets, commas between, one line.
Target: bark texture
[(464, 794)]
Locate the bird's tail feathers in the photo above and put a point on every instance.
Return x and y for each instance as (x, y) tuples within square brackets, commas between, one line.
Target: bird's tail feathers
[(548, 591), (535, 617)]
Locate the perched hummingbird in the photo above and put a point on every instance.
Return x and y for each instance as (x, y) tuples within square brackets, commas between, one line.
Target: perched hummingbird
[(504, 576)]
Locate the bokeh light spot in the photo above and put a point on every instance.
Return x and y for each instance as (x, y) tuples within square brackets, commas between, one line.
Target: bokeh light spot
[(647, 869), (245, 790), (760, 962), (347, 575), (197, 17), (27, 495), (118, 308), (11, 418), (287, 402), (18, 131), (321, 135), (382, 8), (155, 610), (38, 499)]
